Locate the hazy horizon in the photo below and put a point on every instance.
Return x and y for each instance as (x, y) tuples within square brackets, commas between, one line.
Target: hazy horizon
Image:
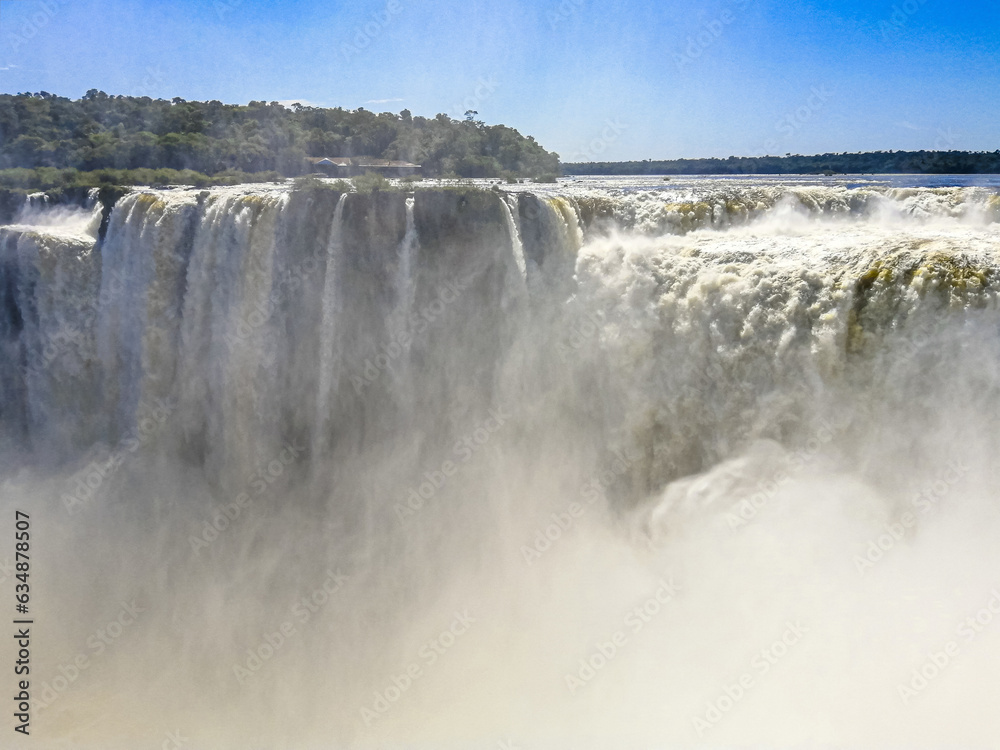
[(616, 83)]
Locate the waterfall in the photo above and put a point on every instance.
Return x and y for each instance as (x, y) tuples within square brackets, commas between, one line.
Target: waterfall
[(568, 463), (48, 296), (331, 311), (407, 251), (566, 210), (517, 247)]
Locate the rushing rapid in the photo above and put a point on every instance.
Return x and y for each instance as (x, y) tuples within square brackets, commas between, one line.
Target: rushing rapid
[(708, 462)]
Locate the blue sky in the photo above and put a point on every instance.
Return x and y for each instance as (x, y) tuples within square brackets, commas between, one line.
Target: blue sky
[(590, 79)]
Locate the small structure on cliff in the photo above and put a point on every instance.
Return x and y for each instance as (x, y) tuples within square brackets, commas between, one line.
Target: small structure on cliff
[(347, 166)]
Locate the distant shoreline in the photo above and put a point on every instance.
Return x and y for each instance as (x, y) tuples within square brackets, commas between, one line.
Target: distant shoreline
[(876, 162)]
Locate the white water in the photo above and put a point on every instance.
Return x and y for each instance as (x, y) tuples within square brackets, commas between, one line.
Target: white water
[(739, 388), (331, 314), (515, 236)]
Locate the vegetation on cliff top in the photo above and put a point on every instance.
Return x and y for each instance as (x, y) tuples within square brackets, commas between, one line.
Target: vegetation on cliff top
[(208, 142)]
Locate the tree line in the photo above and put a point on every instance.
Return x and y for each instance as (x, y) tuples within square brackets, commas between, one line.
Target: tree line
[(211, 141), (876, 162)]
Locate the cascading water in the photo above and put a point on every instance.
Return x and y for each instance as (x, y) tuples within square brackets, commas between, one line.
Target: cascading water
[(510, 205), (331, 314), (407, 251), (711, 464)]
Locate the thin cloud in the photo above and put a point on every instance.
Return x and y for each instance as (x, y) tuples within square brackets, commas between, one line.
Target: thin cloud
[(303, 102), (385, 101), (9, 67), (909, 125)]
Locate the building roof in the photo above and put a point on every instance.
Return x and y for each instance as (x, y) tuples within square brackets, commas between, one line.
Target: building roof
[(337, 161), (360, 161)]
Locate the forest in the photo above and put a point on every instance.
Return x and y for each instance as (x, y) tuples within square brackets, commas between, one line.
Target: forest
[(875, 162), (65, 147), (49, 141)]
